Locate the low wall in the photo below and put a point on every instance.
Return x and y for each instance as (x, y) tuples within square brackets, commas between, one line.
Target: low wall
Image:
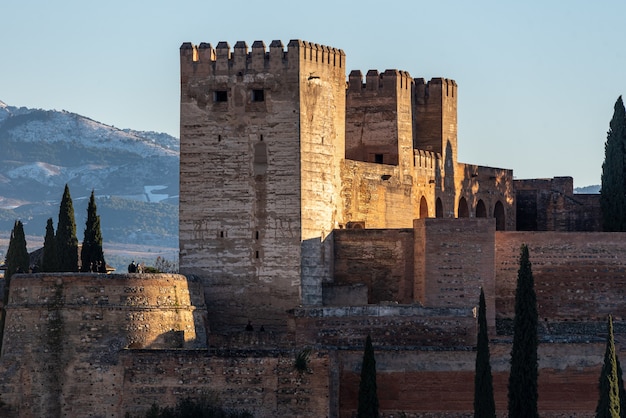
[(391, 325), (578, 276)]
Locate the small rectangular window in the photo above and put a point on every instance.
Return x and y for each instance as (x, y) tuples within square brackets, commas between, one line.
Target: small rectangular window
[(220, 96), (258, 95)]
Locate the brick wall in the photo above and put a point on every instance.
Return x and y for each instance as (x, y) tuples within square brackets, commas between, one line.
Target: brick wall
[(578, 276)]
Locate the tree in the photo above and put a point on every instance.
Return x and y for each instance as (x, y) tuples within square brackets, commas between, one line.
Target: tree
[(66, 241), (523, 393), (484, 404), (49, 261), (17, 260), (368, 397), (613, 190), (609, 400), (91, 255), (620, 386)]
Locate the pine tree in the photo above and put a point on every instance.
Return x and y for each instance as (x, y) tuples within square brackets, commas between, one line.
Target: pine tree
[(368, 397), (609, 400), (92, 256), (17, 259), (613, 191), (484, 404), (523, 393), (50, 260), (66, 241)]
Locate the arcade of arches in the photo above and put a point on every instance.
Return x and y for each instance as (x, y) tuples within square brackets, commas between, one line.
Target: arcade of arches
[(464, 212)]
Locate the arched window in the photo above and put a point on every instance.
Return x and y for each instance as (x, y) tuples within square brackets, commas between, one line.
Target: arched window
[(481, 210), (423, 208), (438, 208), (463, 210), (498, 213)]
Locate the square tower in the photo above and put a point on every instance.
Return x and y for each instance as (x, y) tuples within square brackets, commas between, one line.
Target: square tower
[(262, 140)]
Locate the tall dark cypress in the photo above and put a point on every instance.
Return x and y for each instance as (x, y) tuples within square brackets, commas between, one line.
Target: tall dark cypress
[(484, 404), (613, 190), (67, 243), (50, 260), (17, 259), (368, 396), (620, 386), (523, 394), (92, 256), (609, 400)]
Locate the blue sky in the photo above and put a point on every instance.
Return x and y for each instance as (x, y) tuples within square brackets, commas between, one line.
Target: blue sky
[(537, 79)]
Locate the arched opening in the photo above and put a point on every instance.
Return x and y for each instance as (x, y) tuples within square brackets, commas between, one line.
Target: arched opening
[(498, 213), (423, 208), (481, 210), (438, 208), (463, 210)]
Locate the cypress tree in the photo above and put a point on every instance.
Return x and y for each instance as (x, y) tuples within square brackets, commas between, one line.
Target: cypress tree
[(17, 259), (91, 255), (66, 241), (368, 397), (613, 190), (523, 393), (620, 386), (484, 404), (49, 262), (609, 400)]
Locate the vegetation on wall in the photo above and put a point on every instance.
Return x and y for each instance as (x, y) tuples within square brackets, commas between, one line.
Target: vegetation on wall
[(484, 405), (523, 393), (613, 191)]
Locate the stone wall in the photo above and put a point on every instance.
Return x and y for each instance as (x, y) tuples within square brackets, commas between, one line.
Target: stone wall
[(393, 326), (63, 334), (264, 382), (578, 276), (380, 259), (551, 205)]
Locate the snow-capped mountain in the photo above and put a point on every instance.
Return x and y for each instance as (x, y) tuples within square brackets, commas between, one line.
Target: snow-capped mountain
[(42, 150)]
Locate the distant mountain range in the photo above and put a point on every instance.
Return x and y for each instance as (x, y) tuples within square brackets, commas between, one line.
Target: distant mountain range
[(134, 175)]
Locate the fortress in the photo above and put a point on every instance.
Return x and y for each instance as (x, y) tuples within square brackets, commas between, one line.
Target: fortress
[(319, 208)]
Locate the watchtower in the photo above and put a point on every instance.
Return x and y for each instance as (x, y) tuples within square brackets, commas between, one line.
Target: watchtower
[(262, 140)]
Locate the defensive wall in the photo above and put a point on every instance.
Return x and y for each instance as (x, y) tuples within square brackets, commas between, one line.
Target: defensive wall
[(551, 205), (68, 336)]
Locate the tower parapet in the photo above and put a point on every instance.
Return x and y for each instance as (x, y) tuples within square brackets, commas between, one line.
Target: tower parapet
[(378, 117), (203, 60), (435, 116)]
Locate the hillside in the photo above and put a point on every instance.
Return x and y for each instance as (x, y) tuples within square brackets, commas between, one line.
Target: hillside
[(134, 175)]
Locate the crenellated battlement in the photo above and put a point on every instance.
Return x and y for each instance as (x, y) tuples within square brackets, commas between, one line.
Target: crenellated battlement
[(376, 83), (425, 159), (205, 60), (437, 86)]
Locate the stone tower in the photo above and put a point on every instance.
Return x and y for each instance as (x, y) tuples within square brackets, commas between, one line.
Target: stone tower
[(262, 138)]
